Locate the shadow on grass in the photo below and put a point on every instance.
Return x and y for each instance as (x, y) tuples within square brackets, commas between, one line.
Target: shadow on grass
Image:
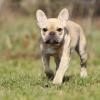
[(67, 78)]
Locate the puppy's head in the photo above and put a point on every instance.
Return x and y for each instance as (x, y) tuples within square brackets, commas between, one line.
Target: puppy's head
[(52, 29)]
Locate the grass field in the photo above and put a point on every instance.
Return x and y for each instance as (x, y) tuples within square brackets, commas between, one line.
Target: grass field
[(24, 79)]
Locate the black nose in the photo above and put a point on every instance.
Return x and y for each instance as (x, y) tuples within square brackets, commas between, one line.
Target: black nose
[(52, 33)]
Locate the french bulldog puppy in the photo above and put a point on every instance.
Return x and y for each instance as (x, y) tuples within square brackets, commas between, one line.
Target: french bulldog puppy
[(59, 36)]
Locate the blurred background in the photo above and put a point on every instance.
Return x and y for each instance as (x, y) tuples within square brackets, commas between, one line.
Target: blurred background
[(19, 33)]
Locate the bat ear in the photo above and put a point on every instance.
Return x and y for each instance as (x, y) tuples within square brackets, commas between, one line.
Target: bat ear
[(41, 18), (63, 16)]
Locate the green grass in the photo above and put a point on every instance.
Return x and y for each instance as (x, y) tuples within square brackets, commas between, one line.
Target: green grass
[(24, 79)]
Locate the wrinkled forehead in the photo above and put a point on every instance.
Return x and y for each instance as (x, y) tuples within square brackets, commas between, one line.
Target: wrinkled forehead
[(54, 23)]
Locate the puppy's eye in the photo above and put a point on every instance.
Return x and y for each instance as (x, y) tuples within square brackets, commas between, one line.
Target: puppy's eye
[(45, 29), (59, 29)]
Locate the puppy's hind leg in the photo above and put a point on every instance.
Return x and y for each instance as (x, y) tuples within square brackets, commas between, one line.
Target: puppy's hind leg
[(81, 50)]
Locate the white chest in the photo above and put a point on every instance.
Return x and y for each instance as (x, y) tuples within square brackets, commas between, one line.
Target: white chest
[(50, 51)]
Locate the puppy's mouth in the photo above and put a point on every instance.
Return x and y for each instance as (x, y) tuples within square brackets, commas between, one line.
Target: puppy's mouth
[(52, 41)]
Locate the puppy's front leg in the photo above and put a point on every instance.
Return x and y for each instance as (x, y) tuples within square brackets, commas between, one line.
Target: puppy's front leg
[(64, 63), (48, 71), (57, 61)]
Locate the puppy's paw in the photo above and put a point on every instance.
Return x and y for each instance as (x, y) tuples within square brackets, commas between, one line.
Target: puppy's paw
[(50, 74), (83, 73), (57, 81)]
